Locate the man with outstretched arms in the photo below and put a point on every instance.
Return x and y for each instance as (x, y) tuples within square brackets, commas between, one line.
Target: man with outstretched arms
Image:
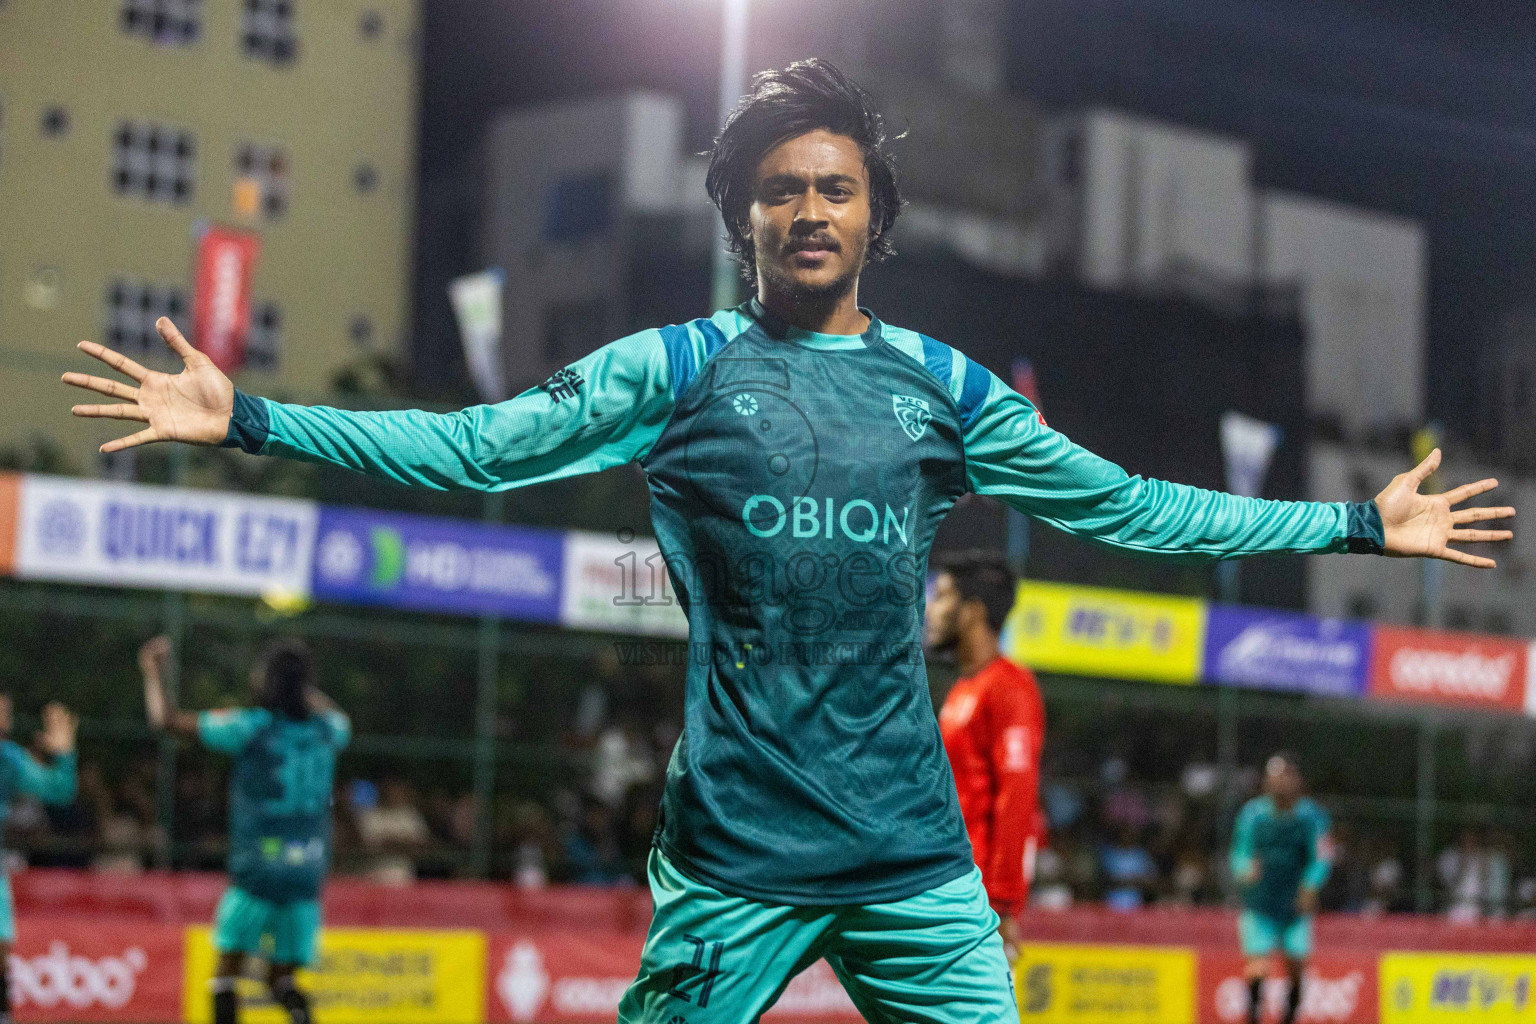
[(800, 455), (279, 815), (993, 724), (1281, 857), (21, 774)]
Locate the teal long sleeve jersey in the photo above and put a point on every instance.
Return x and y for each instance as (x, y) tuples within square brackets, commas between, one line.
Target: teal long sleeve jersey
[(21, 774), (797, 480), (1290, 849)]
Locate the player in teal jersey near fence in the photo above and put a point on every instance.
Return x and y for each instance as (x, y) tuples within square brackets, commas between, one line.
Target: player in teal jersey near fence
[(22, 774), (800, 455), (279, 815), (1281, 856)]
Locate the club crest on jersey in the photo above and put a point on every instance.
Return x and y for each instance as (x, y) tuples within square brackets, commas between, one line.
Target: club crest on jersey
[(913, 414)]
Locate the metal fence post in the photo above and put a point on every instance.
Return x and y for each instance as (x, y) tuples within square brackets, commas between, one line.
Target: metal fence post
[(488, 672), (1424, 819), (1226, 757)]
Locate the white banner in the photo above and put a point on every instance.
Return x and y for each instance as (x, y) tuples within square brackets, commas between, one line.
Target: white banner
[(1248, 445), (135, 535), (618, 586), (476, 302)]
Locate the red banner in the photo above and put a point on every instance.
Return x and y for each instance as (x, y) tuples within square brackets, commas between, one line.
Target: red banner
[(64, 970), (221, 296), (1448, 668), (1337, 989)]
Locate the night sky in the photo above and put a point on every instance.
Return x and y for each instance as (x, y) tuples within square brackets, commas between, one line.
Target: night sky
[(1422, 108)]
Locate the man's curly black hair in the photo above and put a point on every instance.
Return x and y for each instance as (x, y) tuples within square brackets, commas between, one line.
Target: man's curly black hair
[(805, 96)]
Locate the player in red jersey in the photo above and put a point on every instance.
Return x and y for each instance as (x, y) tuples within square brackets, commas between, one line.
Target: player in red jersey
[(993, 724)]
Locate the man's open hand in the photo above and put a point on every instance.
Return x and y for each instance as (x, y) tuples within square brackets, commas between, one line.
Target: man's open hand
[(192, 406), (1425, 525)]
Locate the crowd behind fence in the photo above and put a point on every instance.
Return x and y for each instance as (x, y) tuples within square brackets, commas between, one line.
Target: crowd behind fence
[(1137, 797)]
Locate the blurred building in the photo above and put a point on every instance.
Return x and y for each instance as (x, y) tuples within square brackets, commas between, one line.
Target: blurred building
[(1501, 600), (1150, 207), (126, 126), (1508, 391)]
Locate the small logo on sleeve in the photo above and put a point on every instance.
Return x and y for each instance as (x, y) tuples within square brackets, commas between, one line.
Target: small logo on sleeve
[(564, 384), (913, 414)]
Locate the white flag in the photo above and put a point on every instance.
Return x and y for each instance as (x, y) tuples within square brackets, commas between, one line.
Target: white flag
[(476, 302), (1247, 444)]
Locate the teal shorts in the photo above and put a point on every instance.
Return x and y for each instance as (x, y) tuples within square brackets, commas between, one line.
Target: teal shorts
[(1262, 935), (934, 958), (7, 909), (243, 923)]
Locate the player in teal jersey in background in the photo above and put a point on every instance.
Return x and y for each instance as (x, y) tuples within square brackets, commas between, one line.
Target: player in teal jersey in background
[(21, 774), (1281, 856), (279, 815), (800, 455)]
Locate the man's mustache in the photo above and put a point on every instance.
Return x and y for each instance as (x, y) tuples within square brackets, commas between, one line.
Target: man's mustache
[(817, 241)]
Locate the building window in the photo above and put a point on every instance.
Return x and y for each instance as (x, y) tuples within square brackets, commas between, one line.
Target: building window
[(261, 181), (261, 346), (365, 178), (132, 308), (155, 162), (55, 123), (172, 22), (266, 30)]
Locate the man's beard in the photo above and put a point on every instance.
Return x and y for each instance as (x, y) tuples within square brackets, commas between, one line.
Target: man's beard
[(813, 295)]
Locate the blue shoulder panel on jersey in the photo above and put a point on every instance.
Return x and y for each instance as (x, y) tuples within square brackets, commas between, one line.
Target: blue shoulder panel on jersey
[(679, 357), (714, 337), (978, 381), (682, 358), (937, 359)]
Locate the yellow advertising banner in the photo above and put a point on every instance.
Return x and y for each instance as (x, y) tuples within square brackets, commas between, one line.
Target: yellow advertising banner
[(363, 976), (1082, 984), (1091, 631), (1457, 988)]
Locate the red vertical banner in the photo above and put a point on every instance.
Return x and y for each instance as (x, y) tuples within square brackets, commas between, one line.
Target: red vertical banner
[(221, 298), (10, 520)]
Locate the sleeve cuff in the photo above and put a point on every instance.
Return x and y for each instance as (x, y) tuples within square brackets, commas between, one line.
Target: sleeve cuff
[(249, 424), (1364, 534)]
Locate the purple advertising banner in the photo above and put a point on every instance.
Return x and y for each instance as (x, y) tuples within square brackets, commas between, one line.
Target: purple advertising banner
[(1286, 651), (425, 563)]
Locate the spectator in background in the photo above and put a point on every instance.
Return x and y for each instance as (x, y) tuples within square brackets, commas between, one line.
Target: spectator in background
[(393, 831), (621, 760), (592, 853), (1191, 877), (531, 834), (1387, 894), (1462, 870), (200, 817), (1525, 893), (1497, 869), (1051, 890), (1129, 871)]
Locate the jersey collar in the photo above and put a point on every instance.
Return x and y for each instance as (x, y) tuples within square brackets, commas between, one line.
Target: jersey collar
[(777, 328)]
